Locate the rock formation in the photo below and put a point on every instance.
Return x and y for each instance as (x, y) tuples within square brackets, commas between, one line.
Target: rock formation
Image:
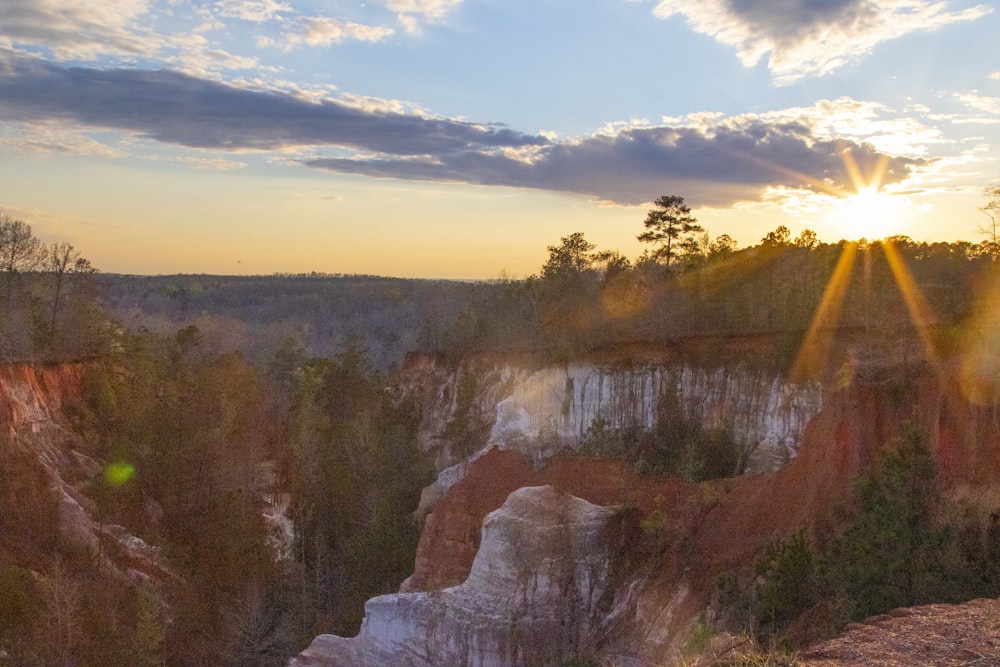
[(534, 595)]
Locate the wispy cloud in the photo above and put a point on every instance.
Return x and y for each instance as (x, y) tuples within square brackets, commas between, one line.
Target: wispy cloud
[(78, 29), (49, 136), (411, 13), (811, 37), (323, 31), (983, 103), (213, 164), (257, 11)]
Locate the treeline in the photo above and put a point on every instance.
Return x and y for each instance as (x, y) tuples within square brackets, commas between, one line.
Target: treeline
[(255, 314), (586, 300)]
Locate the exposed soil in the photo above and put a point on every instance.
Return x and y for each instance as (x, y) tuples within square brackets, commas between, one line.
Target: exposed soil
[(939, 635)]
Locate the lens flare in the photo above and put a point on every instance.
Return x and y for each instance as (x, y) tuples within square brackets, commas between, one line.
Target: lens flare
[(815, 349), (119, 473)]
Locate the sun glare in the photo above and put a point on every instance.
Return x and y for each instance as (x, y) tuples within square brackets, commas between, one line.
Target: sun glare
[(871, 214)]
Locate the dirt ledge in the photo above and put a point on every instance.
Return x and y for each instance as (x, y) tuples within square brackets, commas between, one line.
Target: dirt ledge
[(940, 635)]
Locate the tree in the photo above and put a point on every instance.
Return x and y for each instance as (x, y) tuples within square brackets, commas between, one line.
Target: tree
[(670, 228), (891, 553), (723, 246), (18, 251), (63, 262), (574, 255), (991, 230), (781, 236), (807, 239)]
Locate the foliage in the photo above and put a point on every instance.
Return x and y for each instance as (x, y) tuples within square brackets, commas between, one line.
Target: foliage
[(901, 546), (680, 445), (789, 585), (197, 427), (991, 230), (742, 651), (892, 553), (356, 475), (671, 229), (466, 430)]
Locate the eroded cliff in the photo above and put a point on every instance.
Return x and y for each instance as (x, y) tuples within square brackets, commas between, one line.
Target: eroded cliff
[(37, 444), (542, 411), (700, 531)]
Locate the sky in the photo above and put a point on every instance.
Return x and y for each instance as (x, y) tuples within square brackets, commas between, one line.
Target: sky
[(460, 138)]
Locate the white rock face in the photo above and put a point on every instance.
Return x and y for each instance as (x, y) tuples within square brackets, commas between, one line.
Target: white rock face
[(555, 406), (539, 412), (531, 597)]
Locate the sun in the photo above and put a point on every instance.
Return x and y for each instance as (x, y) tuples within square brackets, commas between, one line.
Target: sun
[(870, 213)]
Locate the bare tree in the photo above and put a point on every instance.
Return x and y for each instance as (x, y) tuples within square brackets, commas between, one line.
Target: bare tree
[(63, 262), (991, 230), (19, 251)]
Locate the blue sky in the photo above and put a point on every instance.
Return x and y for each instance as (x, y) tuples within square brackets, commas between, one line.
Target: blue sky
[(458, 138)]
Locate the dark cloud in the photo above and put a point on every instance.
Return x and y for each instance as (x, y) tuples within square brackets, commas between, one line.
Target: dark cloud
[(714, 164), (716, 168), (811, 37), (776, 16), (177, 108)]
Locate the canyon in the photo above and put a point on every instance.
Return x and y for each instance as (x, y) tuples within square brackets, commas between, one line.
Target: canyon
[(534, 551), (661, 575)]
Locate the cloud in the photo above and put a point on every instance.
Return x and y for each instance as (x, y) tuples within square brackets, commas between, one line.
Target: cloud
[(257, 11), (988, 105), (715, 166), (78, 29), (214, 164), (411, 12), (713, 159), (44, 137), (863, 122), (81, 30), (810, 37), (178, 108), (322, 31)]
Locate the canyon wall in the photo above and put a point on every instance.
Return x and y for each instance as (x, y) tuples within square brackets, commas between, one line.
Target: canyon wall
[(36, 442), (542, 411), (652, 599)]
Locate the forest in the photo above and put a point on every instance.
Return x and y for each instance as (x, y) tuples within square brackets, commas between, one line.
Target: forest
[(207, 397)]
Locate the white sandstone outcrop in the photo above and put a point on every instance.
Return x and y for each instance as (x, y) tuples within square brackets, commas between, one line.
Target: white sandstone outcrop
[(540, 411), (556, 406), (532, 596)]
